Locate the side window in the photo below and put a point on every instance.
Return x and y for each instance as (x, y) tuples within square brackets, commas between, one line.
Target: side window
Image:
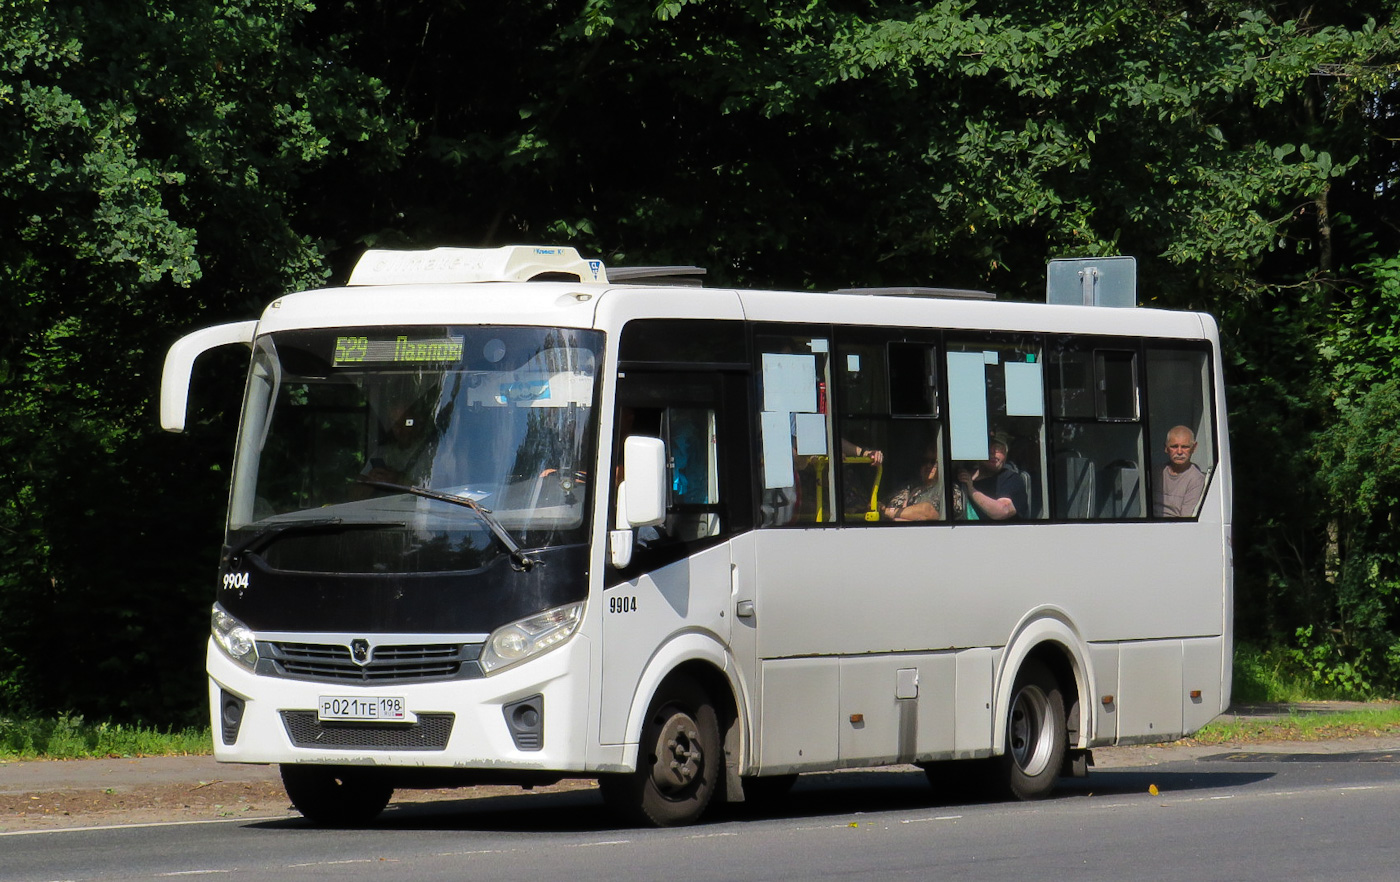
[(891, 440), (1182, 446), (692, 458), (683, 410), (996, 420), (685, 381), (1096, 438), (795, 432)]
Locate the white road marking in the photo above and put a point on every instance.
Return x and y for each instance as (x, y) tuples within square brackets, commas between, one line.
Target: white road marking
[(240, 820)]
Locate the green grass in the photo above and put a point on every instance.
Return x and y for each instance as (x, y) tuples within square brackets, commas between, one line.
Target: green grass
[(1275, 675), (1383, 720), (68, 736)]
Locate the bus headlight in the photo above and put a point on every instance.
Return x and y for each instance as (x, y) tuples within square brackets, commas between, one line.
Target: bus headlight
[(233, 637), (529, 637)]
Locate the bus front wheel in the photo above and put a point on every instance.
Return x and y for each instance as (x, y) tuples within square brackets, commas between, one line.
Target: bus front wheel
[(331, 796), (1036, 738), (678, 761)]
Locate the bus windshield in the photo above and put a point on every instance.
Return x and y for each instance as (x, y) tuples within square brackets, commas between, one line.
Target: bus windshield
[(341, 427)]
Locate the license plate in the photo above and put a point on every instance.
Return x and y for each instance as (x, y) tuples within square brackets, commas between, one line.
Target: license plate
[(373, 708)]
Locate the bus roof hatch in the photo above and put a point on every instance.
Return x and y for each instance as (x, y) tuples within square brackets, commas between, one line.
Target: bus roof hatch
[(509, 263)]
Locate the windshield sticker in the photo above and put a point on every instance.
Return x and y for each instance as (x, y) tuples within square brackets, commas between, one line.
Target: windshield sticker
[(529, 390)]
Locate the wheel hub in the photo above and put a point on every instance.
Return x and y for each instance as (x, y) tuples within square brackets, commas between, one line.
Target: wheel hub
[(1030, 741), (679, 757)]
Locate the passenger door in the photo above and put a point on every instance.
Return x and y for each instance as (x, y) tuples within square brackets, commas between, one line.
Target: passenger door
[(679, 578)]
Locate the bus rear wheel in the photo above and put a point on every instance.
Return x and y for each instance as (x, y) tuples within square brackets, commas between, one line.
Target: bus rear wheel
[(1036, 737), (678, 762), (334, 796)]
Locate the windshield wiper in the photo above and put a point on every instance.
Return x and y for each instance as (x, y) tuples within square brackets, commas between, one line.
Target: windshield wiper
[(519, 559), (265, 535)]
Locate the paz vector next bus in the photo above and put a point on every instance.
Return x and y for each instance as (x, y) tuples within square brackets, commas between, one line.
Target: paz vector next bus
[(508, 516)]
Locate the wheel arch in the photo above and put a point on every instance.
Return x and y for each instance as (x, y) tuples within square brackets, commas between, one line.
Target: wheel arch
[(702, 660), (1049, 636)]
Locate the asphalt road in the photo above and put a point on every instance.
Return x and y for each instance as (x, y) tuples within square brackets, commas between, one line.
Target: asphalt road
[(1292, 811)]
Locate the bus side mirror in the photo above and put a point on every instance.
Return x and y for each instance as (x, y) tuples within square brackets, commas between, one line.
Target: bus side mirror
[(641, 498), (179, 362), (644, 491)]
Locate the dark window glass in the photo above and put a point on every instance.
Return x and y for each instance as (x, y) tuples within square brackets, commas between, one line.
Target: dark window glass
[(913, 380), (1117, 384), (1182, 429), (689, 341), (891, 443), (1096, 441)]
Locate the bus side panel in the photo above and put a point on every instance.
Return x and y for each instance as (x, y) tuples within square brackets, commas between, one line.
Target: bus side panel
[(976, 674), (1104, 657), (897, 708), (891, 709), (876, 726), (938, 690), (1149, 692), (858, 590), (801, 701), (639, 617), (1201, 673), (914, 591)]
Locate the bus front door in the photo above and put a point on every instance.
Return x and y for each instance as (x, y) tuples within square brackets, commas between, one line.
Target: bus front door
[(672, 602)]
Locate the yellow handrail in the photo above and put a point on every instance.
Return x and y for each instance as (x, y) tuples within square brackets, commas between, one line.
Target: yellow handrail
[(820, 461)]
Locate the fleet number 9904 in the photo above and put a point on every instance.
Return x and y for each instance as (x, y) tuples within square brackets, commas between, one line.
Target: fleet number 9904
[(348, 707), (624, 604)]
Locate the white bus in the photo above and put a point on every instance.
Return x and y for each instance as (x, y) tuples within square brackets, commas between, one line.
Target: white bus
[(497, 518)]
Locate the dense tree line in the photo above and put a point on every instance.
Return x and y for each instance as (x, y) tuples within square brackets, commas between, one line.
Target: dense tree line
[(169, 164)]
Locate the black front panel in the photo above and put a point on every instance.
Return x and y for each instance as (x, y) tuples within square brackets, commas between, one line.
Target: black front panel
[(464, 602)]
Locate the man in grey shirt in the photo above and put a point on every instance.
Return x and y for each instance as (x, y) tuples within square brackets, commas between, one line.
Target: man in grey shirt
[(1179, 488)]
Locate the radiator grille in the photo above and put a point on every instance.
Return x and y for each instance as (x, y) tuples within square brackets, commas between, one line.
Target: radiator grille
[(389, 663), (429, 733)]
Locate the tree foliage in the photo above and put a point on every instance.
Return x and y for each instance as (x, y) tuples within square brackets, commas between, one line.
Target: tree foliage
[(157, 155), (176, 163), (1358, 465)]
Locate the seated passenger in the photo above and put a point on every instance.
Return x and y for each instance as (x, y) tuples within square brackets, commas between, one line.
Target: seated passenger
[(922, 498), (1178, 489), (994, 490)]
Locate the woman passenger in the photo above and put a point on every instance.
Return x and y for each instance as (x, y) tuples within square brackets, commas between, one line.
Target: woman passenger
[(922, 498)]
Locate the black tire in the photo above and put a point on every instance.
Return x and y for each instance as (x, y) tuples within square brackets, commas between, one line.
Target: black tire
[(678, 762), (1036, 737), (335, 796)]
